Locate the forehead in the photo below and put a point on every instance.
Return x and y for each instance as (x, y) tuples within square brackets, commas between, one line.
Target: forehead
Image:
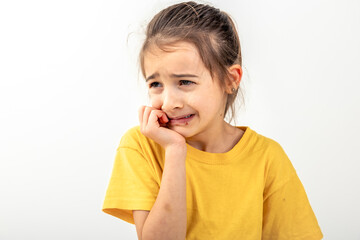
[(176, 57), (178, 47)]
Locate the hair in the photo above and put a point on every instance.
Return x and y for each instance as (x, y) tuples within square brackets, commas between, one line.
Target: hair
[(211, 30)]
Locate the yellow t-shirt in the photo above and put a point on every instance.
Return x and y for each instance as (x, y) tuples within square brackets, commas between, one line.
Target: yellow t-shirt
[(248, 193)]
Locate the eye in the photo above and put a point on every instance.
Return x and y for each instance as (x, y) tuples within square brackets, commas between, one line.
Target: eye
[(153, 84), (186, 82), (182, 82)]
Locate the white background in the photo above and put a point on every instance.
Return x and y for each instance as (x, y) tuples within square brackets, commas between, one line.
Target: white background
[(69, 89)]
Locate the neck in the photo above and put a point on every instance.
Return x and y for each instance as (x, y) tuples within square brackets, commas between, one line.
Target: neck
[(217, 139)]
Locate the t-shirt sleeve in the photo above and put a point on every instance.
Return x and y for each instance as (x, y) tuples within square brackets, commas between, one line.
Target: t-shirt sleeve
[(132, 185), (287, 213)]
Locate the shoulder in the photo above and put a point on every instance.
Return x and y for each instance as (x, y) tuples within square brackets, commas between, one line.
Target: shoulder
[(274, 147), (132, 133), (278, 161), (133, 138), (273, 152), (266, 144)]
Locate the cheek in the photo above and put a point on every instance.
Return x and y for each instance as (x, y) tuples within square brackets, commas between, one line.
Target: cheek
[(208, 102), (205, 96), (200, 102), (193, 98)]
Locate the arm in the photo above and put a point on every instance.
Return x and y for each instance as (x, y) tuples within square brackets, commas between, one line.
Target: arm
[(167, 218)]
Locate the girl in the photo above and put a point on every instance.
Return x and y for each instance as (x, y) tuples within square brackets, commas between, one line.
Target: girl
[(184, 172)]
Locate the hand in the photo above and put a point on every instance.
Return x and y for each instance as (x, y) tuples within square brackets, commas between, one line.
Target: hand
[(153, 125)]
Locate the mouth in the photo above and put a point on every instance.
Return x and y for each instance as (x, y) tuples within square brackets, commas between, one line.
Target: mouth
[(182, 119)]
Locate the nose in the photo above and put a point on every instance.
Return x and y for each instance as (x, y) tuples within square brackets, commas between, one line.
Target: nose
[(171, 99)]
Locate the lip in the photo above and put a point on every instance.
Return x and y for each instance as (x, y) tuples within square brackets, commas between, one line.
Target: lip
[(181, 120), (175, 118)]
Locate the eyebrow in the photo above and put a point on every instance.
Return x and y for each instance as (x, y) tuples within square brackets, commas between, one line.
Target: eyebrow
[(172, 75)]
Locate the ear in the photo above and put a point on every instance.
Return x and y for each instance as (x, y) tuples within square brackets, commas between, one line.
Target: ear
[(236, 73)]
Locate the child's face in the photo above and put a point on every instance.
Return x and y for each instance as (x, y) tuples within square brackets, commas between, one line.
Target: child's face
[(181, 96)]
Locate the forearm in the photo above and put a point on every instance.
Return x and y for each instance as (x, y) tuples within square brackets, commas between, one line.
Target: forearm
[(167, 218)]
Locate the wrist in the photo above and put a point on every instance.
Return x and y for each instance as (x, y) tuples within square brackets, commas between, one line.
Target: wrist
[(179, 147)]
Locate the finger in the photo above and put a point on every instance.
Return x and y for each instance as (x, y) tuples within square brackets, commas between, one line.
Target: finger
[(161, 115), (165, 118), (141, 113), (154, 118), (146, 115)]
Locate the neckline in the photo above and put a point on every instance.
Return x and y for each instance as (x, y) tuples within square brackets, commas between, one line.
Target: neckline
[(222, 158)]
